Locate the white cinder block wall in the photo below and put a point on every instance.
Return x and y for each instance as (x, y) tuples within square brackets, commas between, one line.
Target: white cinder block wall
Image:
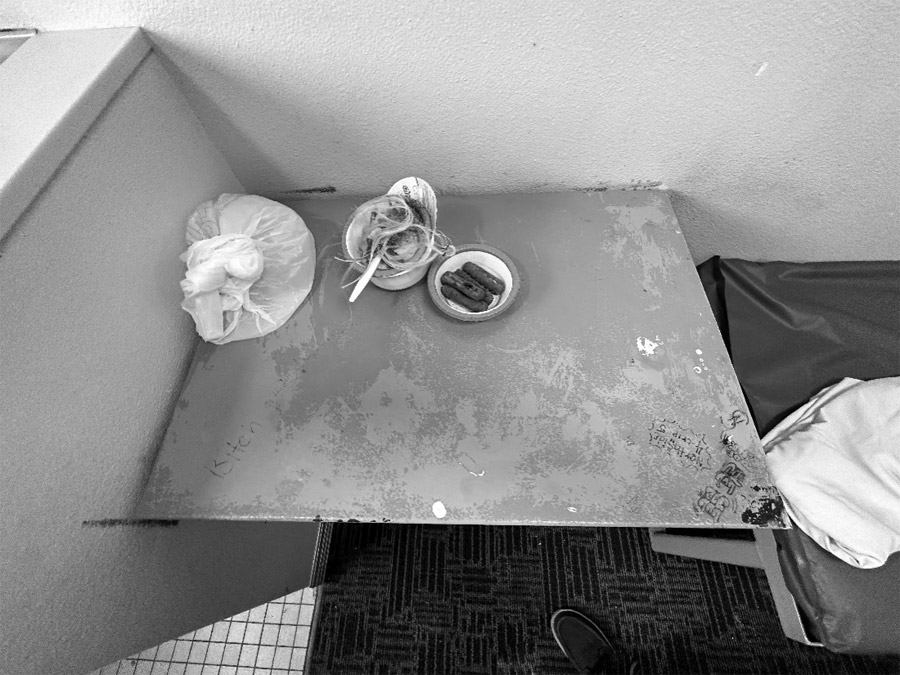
[(775, 122), (93, 346)]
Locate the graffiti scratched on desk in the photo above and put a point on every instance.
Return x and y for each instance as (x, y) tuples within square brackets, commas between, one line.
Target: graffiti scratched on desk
[(688, 447), (730, 489)]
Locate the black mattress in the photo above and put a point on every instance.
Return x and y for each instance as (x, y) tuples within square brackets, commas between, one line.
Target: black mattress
[(793, 329)]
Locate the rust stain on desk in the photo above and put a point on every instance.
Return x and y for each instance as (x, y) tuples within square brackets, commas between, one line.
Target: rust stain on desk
[(580, 405)]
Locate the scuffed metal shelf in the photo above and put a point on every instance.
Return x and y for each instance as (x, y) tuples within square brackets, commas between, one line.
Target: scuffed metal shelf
[(604, 397)]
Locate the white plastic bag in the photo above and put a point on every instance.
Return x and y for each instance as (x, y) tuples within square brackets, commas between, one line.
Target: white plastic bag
[(251, 262)]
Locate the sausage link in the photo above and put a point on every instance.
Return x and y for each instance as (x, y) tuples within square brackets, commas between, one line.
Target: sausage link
[(452, 294), (465, 276), (485, 278), (488, 296), (472, 290)]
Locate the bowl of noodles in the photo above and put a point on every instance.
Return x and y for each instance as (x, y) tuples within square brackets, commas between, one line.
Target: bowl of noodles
[(400, 228)]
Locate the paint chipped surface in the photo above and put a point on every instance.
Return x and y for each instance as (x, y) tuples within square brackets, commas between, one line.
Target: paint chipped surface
[(554, 412), (648, 347), (439, 510)]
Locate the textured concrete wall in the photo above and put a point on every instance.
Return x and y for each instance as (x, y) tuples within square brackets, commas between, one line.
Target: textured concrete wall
[(776, 123), (93, 345)]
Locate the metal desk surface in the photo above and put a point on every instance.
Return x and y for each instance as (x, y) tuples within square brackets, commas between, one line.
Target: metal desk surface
[(605, 396)]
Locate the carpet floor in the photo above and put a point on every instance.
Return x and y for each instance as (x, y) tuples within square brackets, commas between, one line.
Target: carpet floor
[(477, 599)]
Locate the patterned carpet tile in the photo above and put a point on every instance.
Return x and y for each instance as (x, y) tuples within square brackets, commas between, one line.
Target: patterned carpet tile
[(477, 599)]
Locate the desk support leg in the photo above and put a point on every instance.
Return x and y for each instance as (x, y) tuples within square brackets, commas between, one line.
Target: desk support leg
[(729, 551), (761, 553), (788, 612)]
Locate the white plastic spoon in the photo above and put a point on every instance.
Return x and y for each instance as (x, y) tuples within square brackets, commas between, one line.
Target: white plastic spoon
[(364, 279)]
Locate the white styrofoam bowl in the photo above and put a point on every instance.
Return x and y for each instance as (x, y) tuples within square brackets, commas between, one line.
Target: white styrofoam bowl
[(385, 276), (491, 259)]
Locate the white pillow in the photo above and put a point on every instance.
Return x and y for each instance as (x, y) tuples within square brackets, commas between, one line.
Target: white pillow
[(836, 462)]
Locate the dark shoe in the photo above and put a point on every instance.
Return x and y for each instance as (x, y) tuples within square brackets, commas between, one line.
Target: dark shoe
[(582, 641)]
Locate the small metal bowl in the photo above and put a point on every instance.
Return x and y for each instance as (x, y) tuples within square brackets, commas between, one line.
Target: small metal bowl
[(491, 259)]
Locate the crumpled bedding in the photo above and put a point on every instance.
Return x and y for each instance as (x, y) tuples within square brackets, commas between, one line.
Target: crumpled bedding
[(836, 462)]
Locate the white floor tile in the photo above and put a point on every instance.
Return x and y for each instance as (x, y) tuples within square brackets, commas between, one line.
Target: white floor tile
[(236, 631), (290, 615), (164, 653), (286, 635), (219, 631), (258, 614), (253, 633), (282, 658), (273, 612), (264, 657), (302, 637), (269, 634), (298, 659), (296, 597), (231, 654), (215, 652), (203, 633), (182, 650), (198, 652), (248, 655), (270, 639)]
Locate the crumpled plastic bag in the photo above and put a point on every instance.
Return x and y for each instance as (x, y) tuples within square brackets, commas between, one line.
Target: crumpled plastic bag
[(251, 263)]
